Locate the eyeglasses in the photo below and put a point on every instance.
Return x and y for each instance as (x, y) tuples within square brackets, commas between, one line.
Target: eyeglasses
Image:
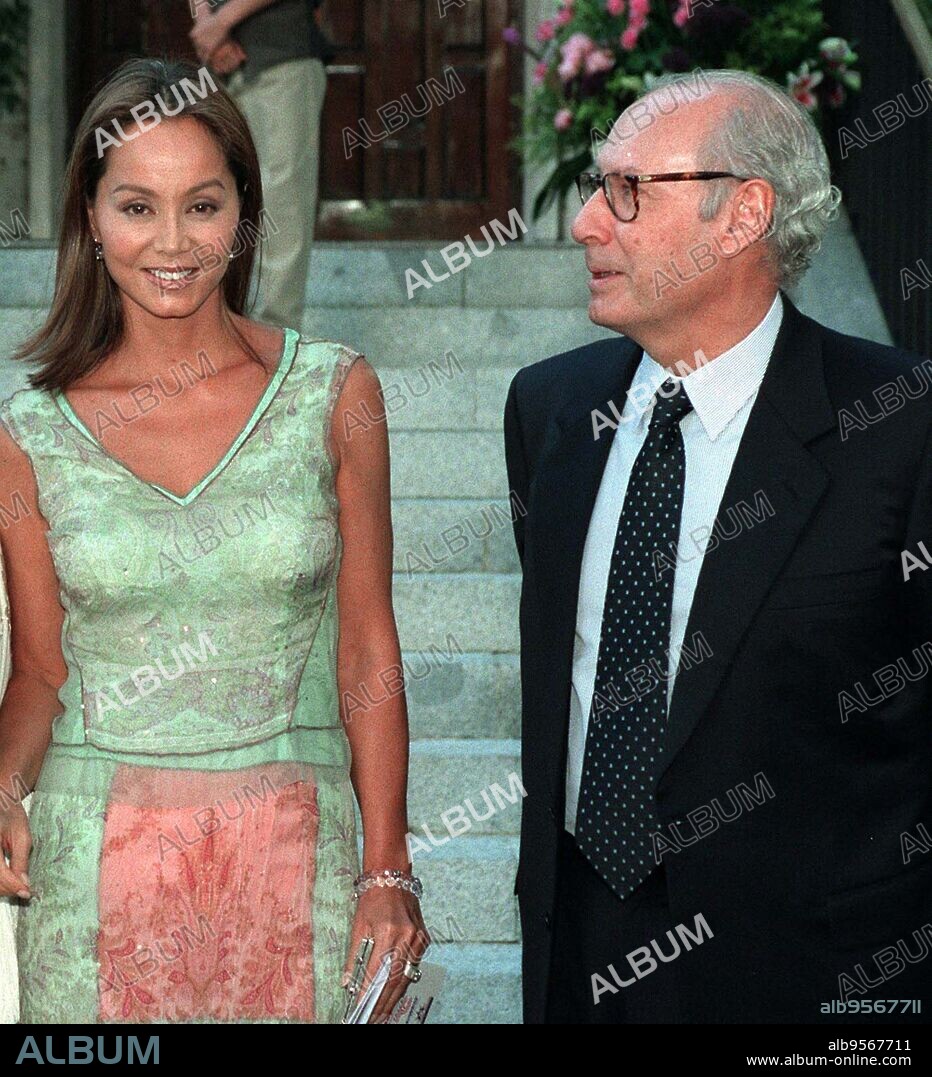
[(621, 190)]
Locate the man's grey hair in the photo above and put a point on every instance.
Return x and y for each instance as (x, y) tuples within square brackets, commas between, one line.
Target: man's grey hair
[(767, 134)]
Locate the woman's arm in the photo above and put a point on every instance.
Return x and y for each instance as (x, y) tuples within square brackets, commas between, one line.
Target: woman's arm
[(368, 646), (369, 659), (38, 667)]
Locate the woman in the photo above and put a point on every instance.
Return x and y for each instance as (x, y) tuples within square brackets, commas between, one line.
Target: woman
[(195, 513)]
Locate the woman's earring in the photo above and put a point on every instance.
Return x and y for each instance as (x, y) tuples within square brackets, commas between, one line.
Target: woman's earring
[(98, 250)]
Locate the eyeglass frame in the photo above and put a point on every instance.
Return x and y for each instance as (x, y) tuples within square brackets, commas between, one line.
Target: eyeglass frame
[(634, 180)]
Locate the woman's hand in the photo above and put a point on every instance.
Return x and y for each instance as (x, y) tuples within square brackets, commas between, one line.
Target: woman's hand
[(227, 57), (393, 918), (16, 841)]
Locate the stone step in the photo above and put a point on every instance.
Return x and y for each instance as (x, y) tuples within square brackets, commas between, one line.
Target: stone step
[(448, 463), (410, 339), (386, 275), (446, 614), (469, 890), (465, 696), (455, 535), (482, 984), (375, 275), (462, 788), (442, 394), (508, 337), (15, 325), (360, 288)]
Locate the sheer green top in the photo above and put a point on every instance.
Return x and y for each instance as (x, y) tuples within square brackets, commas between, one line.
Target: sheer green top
[(199, 630)]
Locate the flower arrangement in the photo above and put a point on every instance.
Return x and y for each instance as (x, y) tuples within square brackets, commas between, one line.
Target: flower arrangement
[(595, 57)]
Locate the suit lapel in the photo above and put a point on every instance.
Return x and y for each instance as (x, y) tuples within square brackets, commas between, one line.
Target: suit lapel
[(772, 463)]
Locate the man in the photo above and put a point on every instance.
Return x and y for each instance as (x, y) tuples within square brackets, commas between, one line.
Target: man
[(726, 670), (280, 86)]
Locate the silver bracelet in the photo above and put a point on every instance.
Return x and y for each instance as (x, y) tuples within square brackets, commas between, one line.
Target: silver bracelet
[(401, 880)]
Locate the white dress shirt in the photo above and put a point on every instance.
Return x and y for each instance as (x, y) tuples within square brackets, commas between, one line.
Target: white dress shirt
[(722, 392)]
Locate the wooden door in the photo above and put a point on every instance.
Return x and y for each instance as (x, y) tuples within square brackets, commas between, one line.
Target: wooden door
[(417, 115), (417, 119), (103, 33)]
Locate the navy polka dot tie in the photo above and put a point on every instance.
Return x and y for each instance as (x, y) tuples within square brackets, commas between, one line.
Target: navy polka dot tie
[(616, 816)]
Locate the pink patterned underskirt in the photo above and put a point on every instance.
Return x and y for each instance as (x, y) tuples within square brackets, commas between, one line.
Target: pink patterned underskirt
[(206, 889)]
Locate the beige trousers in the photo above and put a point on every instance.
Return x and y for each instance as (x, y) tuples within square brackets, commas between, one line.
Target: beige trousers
[(283, 107)]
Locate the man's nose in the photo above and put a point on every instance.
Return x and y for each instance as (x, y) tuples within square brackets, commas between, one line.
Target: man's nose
[(594, 223)]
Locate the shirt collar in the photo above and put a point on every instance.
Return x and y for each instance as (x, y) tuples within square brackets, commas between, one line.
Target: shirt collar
[(719, 388)]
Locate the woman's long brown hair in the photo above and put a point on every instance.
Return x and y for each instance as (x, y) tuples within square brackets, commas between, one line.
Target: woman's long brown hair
[(85, 322)]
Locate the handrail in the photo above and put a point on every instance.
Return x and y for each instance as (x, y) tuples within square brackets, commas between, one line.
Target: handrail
[(916, 31)]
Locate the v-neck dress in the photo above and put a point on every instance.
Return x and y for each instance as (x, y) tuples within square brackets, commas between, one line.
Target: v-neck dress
[(193, 828)]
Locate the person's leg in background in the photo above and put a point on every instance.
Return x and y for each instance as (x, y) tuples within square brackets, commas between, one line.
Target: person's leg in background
[(283, 107)]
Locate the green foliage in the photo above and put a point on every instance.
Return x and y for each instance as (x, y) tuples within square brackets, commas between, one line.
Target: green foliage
[(784, 40)]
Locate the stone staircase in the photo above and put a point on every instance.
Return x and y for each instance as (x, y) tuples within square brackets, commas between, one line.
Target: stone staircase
[(445, 358)]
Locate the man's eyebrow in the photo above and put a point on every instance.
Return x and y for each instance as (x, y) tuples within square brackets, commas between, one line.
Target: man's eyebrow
[(149, 191)]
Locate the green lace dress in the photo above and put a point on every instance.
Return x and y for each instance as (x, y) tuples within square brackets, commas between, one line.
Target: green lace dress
[(193, 826)]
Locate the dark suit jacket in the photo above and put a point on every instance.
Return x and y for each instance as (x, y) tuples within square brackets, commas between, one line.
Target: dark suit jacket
[(800, 606)]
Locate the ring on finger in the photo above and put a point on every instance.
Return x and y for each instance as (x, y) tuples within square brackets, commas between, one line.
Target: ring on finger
[(412, 971)]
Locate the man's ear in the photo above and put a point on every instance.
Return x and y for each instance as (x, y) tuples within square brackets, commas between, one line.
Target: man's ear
[(756, 209)]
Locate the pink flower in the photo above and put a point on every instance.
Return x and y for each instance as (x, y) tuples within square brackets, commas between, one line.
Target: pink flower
[(578, 42), (567, 70), (615, 7), (540, 72), (640, 9), (629, 38), (636, 23), (682, 13), (563, 17), (599, 60), (544, 31), (801, 85), (574, 51), (563, 119)]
